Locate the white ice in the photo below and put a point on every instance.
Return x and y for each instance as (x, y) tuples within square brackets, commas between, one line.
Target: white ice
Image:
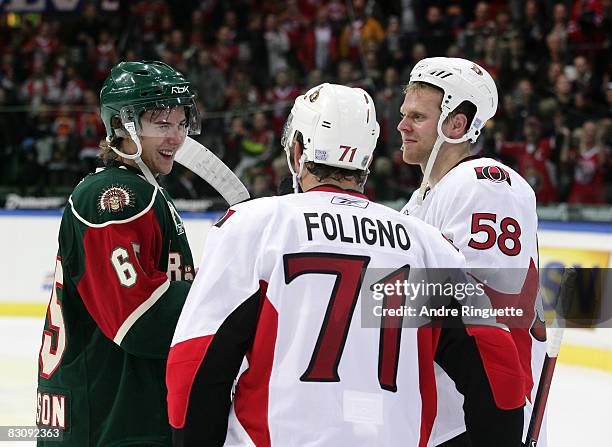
[(579, 404)]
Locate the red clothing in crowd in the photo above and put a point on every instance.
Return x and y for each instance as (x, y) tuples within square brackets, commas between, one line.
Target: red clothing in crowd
[(534, 164), (588, 186)]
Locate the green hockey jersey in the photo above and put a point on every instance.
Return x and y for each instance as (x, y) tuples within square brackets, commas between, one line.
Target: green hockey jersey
[(123, 271)]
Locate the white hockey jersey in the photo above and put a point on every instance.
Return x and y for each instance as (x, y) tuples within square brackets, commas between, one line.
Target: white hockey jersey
[(488, 211), (281, 280)]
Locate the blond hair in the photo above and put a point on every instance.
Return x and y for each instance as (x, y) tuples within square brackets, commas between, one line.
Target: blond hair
[(107, 154)]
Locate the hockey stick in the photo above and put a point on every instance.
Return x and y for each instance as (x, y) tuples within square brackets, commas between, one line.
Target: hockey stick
[(199, 159), (566, 289)]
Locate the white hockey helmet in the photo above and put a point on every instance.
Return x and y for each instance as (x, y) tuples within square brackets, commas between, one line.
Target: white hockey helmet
[(338, 127), (460, 80)]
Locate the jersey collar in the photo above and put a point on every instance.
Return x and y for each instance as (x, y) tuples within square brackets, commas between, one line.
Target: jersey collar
[(463, 160), (337, 189)]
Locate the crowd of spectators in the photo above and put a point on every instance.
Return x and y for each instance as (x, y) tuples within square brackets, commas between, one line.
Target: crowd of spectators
[(249, 59)]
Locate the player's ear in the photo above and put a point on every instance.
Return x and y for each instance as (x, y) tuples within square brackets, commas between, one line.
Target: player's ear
[(458, 125)]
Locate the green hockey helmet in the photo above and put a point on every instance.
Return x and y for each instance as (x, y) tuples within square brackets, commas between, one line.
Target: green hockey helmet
[(135, 87)]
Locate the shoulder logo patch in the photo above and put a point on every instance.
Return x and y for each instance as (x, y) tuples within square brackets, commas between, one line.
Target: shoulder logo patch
[(115, 199), (494, 174), (226, 216), (350, 201)]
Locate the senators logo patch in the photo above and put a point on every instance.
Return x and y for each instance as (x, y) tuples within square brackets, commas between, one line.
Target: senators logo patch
[(493, 173), (115, 199), (226, 216)]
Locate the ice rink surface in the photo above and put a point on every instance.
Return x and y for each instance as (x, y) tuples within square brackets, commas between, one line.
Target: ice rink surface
[(578, 414)]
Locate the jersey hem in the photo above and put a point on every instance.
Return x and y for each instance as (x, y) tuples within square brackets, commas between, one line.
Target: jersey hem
[(448, 436)]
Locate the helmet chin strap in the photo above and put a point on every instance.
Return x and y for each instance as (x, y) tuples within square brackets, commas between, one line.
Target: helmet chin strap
[(295, 176), (434, 155), (131, 129)]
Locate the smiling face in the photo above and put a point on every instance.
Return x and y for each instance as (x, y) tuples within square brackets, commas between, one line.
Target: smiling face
[(162, 134), (418, 127)]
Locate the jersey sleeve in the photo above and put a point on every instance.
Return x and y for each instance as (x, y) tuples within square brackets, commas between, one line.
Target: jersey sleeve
[(132, 302), (216, 328)]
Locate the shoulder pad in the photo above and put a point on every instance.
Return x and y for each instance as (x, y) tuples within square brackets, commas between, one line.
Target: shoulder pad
[(112, 195)]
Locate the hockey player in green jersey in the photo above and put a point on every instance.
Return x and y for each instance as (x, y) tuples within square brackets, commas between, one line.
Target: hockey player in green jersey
[(122, 273)]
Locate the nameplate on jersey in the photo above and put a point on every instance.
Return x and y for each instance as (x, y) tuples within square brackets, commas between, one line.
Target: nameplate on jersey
[(494, 174), (350, 201), (53, 410)]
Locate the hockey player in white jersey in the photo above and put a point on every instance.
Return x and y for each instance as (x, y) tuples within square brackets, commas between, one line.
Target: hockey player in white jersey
[(488, 211), (282, 285)]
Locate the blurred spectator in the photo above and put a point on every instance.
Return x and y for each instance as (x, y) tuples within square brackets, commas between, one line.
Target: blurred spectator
[(490, 56), (43, 44), (418, 52), (394, 46), (581, 74), (559, 24), (436, 34), (524, 97), (336, 11), (90, 131), (261, 185), (240, 92), (510, 124), (319, 48), (556, 49), (358, 32), (532, 160), (104, 56), (532, 29), (348, 75), (277, 45), (39, 87), (292, 22), (588, 162), (383, 184), (372, 69), (564, 98), (471, 39), (281, 97), (225, 51), (208, 81), (63, 166), (72, 86), (388, 102), (257, 48), (257, 145)]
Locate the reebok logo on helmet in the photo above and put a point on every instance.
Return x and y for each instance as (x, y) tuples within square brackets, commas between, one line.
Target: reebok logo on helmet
[(180, 89)]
